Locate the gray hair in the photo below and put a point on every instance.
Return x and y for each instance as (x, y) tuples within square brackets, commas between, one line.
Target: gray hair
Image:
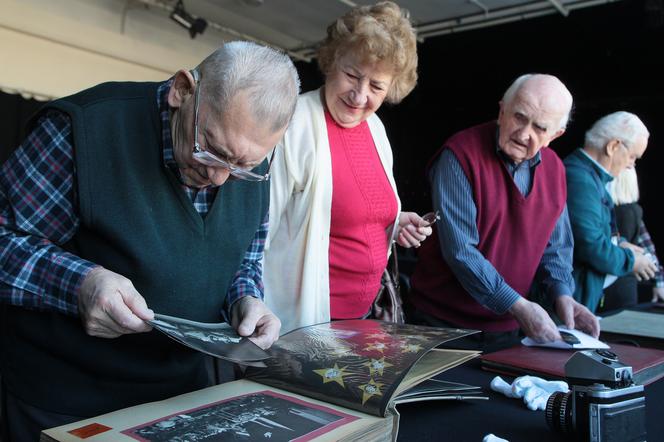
[(268, 76), (624, 189), (511, 92), (623, 126)]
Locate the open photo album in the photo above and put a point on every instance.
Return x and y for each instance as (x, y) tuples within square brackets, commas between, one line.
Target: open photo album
[(333, 381)]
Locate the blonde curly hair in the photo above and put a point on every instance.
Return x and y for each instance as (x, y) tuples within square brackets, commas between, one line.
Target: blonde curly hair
[(378, 33)]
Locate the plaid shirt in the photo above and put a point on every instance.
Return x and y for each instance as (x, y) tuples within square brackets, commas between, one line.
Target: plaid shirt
[(644, 240), (39, 213)]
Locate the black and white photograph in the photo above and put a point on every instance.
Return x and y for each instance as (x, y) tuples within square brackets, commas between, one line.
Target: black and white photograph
[(259, 416), (219, 340)]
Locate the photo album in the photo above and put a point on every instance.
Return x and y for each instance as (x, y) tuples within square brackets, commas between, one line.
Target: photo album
[(333, 381)]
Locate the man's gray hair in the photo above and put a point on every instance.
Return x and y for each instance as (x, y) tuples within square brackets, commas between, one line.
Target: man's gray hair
[(511, 91), (622, 126), (267, 75)]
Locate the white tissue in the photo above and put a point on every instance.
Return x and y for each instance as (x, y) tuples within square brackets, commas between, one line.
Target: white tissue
[(534, 391)]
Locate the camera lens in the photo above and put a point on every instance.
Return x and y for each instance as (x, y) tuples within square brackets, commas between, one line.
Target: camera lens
[(558, 412)]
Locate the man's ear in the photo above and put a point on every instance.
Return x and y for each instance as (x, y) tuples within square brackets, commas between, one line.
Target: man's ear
[(556, 135), (611, 147), (500, 110), (183, 86)]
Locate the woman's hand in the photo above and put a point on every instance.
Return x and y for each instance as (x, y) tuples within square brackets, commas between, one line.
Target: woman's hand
[(413, 229)]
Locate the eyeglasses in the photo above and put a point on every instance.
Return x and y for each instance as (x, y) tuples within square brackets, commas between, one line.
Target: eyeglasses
[(210, 159), (431, 218)]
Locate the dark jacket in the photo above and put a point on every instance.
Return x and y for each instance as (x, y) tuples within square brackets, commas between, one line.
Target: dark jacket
[(590, 209)]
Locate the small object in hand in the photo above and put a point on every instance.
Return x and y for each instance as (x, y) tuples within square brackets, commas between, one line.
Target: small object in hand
[(569, 338), (431, 218)]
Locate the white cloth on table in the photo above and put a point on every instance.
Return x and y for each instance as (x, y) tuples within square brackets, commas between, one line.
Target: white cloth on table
[(534, 391)]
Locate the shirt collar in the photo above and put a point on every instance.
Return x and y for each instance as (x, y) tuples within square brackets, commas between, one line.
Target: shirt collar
[(166, 136), (595, 162)]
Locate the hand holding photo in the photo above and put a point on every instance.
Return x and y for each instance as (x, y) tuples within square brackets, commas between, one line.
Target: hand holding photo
[(218, 340)]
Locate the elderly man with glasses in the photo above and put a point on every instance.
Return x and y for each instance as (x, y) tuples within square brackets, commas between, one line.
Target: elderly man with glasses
[(127, 199), (611, 145)]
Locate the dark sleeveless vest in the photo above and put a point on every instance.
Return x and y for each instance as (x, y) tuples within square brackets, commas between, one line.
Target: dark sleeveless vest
[(136, 220), (513, 230)]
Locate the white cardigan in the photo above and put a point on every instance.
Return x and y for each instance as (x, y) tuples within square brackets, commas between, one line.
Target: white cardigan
[(295, 266)]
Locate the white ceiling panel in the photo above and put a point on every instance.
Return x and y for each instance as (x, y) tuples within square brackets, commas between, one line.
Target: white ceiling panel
[(296, 26)]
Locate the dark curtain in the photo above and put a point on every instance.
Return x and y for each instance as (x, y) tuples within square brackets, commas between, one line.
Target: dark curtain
[(609, 56), (16, 111)]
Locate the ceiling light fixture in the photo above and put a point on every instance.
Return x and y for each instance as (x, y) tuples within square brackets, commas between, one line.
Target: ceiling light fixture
[(195, 25)]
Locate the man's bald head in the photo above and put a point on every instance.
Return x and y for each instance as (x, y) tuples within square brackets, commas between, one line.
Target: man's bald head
[(547, 89), (534, 111)]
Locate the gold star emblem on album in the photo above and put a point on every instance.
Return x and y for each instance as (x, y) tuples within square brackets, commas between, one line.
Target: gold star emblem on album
[(377, 366), (334, 374)]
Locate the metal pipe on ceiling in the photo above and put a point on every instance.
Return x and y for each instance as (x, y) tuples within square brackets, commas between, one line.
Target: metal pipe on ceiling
[(556, 4), (498, 17)]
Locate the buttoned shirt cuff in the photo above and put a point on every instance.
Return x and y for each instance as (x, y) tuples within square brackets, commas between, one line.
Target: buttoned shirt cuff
[(234, 296), (67, 274), (502, 300)]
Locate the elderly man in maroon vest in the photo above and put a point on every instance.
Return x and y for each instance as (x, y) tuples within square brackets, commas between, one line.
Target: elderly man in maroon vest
[(505, 226)]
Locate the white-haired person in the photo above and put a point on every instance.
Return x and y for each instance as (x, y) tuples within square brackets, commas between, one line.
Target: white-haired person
[(334, 207), (500, 189), (119, 204), (614, 143), (624, 190)]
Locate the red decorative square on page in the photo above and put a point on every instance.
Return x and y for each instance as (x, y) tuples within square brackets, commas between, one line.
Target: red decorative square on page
[(89, 430)]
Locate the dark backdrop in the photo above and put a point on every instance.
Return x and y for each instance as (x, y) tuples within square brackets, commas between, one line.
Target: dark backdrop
[(15, 111), (611, 57)]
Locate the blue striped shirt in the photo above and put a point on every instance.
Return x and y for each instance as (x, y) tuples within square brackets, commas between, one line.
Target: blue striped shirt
[(39, 213), (453, 197)]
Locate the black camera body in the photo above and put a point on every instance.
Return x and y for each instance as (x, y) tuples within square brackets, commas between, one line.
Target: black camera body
[(604, 404)]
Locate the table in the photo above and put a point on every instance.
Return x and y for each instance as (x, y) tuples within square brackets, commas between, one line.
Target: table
[(470, 421)]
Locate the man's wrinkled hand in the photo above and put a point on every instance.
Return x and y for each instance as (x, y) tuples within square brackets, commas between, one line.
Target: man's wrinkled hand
[(110, 306), (633, 247), (577, 316), (534, 321), (250, 317), (644, 267), (657, 294)]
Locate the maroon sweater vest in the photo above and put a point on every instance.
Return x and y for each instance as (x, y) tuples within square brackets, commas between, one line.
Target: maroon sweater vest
[(513, 230)]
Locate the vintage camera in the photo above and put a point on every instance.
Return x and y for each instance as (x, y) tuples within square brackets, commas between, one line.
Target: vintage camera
[(603, 405)]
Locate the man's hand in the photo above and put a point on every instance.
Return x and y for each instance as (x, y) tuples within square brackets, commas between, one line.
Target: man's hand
[(534, 321), (633, 247), (412, 229), (576, 315), (644, 267), (251, 317), (110, 306), (657, 294)]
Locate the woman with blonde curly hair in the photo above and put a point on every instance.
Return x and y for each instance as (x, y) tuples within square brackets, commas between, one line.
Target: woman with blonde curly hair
[(334, 208)]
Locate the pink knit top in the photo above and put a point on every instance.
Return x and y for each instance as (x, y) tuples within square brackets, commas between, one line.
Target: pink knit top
[(363, 208)]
